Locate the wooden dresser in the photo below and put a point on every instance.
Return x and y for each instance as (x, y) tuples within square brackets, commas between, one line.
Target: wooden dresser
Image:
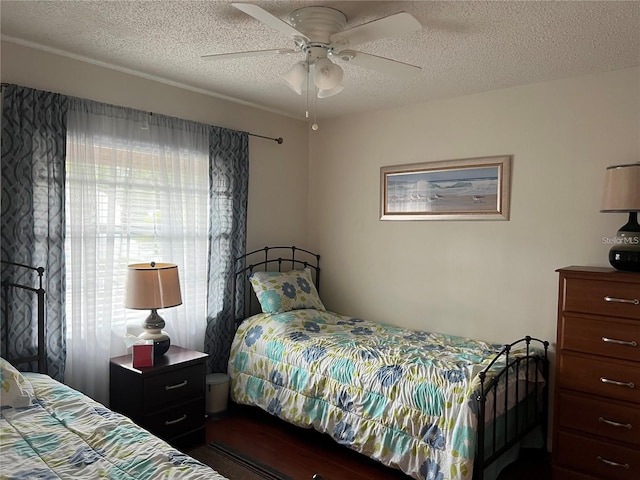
[(596, 431)]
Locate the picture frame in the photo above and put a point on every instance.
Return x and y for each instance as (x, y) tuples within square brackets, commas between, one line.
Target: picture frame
[(463, 189)]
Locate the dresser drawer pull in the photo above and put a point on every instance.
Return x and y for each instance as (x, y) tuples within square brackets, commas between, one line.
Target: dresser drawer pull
[(177, 420), (628, 343), (614, 424), (177, 385), (632, 301), (613, 464), (615, 382)]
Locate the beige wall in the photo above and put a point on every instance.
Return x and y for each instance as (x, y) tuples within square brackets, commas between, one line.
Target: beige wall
[(278, 173), (493, 280), (487, 279)]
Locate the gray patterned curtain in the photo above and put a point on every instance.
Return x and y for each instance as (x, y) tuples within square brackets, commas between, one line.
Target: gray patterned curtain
[(33, 170), (228, 191)]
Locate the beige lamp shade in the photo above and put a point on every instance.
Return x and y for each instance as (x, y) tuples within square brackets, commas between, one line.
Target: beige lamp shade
[(152, 286), (622, 189)]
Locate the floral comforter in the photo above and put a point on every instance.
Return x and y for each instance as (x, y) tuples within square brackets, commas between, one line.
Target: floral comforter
[(403, 397), (63, 434)]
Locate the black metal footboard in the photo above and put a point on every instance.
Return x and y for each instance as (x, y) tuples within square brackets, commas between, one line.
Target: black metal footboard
[(506, 413), (16, 292)]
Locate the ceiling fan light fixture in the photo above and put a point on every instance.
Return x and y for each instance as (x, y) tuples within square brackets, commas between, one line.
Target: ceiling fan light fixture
[(331, 92), (327, 75), (296, 77)]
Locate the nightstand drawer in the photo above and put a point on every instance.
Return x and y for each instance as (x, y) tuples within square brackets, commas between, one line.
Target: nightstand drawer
[(615, 380), (177, 420), (174, 386), (600, 459), (616, 299), (598, 417), (601, 336)]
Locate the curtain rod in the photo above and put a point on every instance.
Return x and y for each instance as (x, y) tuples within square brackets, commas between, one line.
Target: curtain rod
[(278, 140)]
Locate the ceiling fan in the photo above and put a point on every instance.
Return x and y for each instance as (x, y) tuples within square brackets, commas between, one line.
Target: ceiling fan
[(319, 33)]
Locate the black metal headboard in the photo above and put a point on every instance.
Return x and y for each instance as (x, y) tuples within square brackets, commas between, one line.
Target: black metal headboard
[(278, 259), (18, 290)]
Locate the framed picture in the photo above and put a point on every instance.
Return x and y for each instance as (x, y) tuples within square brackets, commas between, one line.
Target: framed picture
[(466, 189)]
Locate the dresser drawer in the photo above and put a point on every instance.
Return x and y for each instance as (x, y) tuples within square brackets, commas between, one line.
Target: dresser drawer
[(600, 336), (564, 474), (606, 419), (176, 420), (596, 376), (174, 386), (616, 299), (600, 459)]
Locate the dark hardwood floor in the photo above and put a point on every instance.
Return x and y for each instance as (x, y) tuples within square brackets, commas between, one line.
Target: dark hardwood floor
[(302, 453)]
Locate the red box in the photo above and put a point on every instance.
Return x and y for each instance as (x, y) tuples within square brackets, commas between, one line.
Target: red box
[(142, 356)]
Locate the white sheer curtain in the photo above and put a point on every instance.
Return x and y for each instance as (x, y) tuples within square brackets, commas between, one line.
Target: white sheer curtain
[(137, 191)]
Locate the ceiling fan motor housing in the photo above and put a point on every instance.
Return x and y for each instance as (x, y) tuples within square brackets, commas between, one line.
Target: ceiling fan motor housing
[(318, 23)]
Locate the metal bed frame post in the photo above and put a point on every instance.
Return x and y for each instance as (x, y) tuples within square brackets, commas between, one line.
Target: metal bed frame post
[(478, 465), (40, 293)]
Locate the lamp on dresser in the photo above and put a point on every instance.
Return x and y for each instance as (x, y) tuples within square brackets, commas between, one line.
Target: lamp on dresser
[(622, 195), (153, 286)]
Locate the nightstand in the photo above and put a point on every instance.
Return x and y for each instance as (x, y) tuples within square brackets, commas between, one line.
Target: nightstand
[(167, 399)]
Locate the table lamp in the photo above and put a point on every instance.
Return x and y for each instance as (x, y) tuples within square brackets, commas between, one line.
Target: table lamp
[(622, 195), (153, 286)]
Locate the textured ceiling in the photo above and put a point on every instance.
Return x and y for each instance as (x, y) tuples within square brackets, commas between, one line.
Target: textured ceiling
[(464, 47)]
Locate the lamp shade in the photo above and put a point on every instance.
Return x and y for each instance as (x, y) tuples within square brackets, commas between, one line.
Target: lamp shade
[(622, 188), (152, 286)]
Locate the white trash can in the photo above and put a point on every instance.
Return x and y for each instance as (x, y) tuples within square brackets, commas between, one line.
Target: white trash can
[(217, 392)]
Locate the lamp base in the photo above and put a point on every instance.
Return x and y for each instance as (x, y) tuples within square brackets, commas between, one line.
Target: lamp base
[(626, 260), (161, 341), (625, 254), (153, 326)]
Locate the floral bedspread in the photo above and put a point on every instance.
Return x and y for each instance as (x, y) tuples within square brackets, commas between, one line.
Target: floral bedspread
[(400, 396), (65, 435)]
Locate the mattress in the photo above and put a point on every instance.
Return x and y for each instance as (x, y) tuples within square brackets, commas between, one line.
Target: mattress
[(405, 398), (65, 434)]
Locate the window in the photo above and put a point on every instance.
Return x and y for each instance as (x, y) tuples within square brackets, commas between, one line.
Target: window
[(134, 193)]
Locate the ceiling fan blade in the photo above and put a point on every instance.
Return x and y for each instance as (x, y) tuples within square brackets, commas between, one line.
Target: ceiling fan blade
[(249, 53), (383, 65), (396, 24), (268, 19)]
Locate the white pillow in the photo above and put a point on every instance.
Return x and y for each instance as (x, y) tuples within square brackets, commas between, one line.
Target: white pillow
[(15, 390)]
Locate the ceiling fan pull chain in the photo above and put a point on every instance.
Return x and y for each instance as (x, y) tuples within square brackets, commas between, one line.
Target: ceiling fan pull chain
[(308, 74), (314, 126)]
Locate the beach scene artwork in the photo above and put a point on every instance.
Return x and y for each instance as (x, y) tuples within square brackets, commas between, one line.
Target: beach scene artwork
[(464, 189), (454, 190)]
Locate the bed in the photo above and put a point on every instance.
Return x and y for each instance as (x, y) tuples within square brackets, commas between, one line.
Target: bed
[(51, 431), (409, 399)]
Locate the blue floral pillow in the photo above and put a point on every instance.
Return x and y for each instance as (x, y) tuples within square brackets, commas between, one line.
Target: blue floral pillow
[(280, 292)]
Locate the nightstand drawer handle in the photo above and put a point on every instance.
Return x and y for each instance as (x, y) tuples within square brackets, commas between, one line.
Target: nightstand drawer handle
[(177, 420), (177, 385), (615, 382), (613, 464), (628, 343), (632, 301), (614, 424)]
